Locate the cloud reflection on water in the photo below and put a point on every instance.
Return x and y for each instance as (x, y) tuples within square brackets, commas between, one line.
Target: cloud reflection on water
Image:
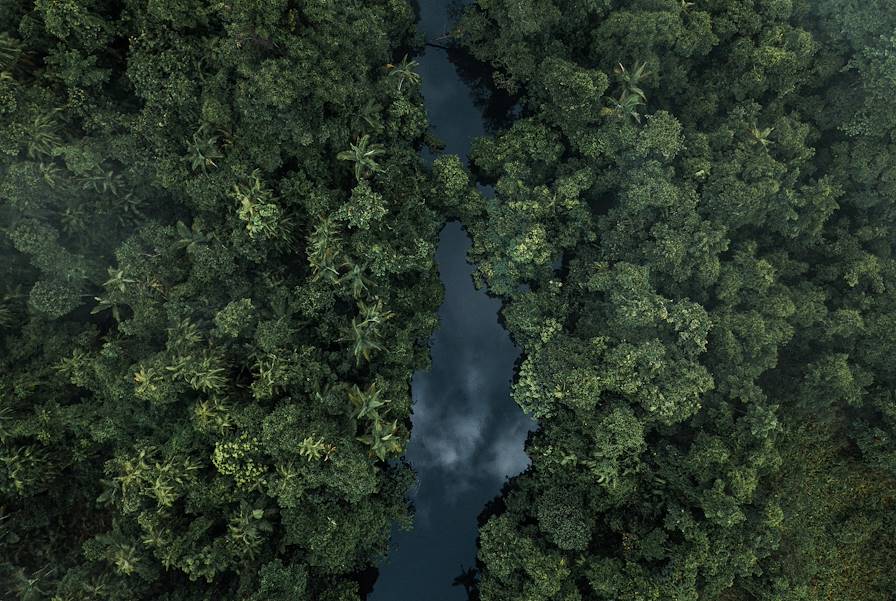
[(467, 436), (464, 423)]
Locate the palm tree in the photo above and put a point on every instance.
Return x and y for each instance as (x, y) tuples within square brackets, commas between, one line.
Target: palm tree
[(213, 415), (313, 449), (404, 71), (31, 587), (323, 249), (183, 336), (761, 136), (363, 339), (258, 210), (8, 310), (190, 238), (208, 373), (362, 155), (364, 331), (367, 402), (370, 114), (469, 579), (631, 95), (631, 80), (382, 439), (374, 314), (6, 316), (624, 106), (202, 151), (117, 280), (102, 304), (356, 279), (10, 51), (246, 529), (43, 135), (50, 173), (146, 381), (102, 181)]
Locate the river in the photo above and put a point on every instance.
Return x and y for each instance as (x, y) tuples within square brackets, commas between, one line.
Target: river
[(468, 434)]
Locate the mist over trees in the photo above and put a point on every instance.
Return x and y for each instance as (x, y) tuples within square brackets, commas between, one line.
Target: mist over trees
[(217, 280), (217, 236)]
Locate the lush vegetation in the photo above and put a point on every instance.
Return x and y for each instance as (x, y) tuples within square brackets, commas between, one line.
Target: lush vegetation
[(710, 363), (217, 280), (693, 231), (217, 236)]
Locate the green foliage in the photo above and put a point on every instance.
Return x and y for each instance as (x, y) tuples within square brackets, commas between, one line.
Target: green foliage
[(365, 207), (562, 517), (363, 156), (183, 250), (692, 236), (404, 72), (364, 332), (257, 209), (53, 299), (281, 583), (236, 318), (691, 233)]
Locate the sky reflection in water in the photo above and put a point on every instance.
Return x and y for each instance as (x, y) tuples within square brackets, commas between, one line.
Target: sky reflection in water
[(467, 437), (468, 434)]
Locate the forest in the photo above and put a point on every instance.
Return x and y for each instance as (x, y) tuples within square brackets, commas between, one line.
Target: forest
[(218, 227)]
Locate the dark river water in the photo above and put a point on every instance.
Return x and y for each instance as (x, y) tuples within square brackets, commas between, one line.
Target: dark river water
[(468, 434)]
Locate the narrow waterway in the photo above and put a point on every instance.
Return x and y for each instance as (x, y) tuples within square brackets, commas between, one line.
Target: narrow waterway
[(468, 434)]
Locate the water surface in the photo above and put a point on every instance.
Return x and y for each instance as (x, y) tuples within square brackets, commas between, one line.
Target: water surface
[(468, 434)]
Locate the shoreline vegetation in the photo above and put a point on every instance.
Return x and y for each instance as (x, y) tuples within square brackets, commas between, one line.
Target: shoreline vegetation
[(217, 235)]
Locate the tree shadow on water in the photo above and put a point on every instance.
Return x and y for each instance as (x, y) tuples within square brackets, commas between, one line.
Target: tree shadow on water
[(498, 107), (469, 579)]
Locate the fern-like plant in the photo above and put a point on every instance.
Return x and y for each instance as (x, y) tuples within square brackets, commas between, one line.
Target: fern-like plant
[(202, 151), (10, 52), (42, 135), (404, 72), (323, 250), (363, 155)]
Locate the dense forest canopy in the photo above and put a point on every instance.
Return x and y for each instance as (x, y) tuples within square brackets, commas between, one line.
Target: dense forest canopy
[(217, 280), (217, 234), (711, 365)]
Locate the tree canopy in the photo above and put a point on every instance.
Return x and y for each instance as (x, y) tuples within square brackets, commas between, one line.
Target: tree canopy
[(218, 232), (217, 280), (692, 230)]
